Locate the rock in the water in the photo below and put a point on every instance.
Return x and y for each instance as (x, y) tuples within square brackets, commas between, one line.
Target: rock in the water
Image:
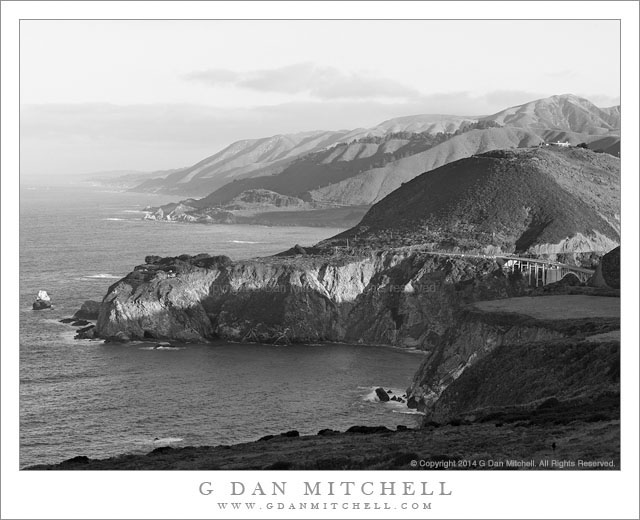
[(119, 337), (80, 323), (163, 344), (67, 320), (42, 301), (88, 311), (86, 333), (382, 395)]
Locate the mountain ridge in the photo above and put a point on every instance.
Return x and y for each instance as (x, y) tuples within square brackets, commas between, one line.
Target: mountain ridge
[(270, 156), (359, 168), (545, 200)]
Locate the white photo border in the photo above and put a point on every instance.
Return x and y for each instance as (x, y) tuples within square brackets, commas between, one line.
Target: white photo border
[(145, 494)]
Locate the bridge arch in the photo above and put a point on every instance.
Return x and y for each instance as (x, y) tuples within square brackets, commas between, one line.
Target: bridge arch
[(539, 272)]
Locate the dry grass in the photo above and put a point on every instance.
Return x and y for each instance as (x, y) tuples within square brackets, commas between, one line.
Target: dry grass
[(556, 307)]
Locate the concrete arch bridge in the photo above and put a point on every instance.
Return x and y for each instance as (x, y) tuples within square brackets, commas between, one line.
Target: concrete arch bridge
[(542, 272)]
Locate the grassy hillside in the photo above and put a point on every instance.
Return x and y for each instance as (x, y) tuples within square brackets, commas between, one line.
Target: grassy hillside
[(374, 184), (512, 199), (331, 166), (547, 377), (246, 158)]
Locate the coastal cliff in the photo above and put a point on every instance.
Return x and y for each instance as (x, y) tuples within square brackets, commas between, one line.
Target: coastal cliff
[(397, 297), (516, 323)]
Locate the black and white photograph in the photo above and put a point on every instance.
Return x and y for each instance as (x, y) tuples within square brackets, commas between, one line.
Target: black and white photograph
[(315, 246)]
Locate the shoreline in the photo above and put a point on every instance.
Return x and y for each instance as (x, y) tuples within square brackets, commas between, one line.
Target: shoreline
[(455, 446)]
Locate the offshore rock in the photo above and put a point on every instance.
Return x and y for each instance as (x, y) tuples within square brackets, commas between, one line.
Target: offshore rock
[(88, 311), (382, 395), (86, 333), (42, 301), (80, 323), (118, 337)]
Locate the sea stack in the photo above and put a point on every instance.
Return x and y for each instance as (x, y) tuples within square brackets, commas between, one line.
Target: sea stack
[(42, 301)]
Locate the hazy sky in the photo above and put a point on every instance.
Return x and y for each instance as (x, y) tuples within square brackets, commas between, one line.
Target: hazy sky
[(149, 95)]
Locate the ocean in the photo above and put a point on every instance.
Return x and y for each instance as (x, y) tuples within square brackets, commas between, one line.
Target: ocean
[(84, 397)]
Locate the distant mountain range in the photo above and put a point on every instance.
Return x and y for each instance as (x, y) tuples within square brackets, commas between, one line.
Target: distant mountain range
[(272, 155), (323, 169), (567, 112)]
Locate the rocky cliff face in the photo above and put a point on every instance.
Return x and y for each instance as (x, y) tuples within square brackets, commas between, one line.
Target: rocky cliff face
[(393, 298), (558, 376), (480, 333), (396, 297), (474, 338)]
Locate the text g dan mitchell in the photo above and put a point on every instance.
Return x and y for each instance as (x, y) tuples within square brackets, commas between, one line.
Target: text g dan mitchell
[(328, 488)]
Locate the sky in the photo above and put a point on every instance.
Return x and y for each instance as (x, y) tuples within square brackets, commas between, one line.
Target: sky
[(155, 95)]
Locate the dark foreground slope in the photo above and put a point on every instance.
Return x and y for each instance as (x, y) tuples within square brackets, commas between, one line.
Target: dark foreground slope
[(487, 445), (538, 381), (534, 200)]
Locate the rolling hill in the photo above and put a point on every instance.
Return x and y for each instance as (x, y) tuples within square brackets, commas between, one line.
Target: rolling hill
[(245, 158), (543, 200), (271, 155), (373, 184)]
